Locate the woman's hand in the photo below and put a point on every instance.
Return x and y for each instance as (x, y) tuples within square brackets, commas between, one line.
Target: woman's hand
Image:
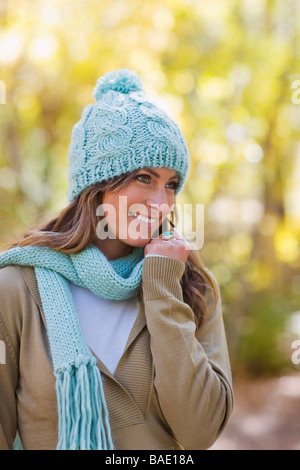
[(177, 248)]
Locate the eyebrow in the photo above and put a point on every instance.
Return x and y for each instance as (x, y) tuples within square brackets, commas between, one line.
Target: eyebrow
[(158, 175)]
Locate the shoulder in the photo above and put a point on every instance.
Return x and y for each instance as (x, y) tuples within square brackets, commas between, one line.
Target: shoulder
[(12, 281), (10, 275), (18, 289), (19, 303), (12, 295)]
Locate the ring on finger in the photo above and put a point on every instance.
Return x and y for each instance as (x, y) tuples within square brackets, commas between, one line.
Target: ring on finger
[(168, 235)]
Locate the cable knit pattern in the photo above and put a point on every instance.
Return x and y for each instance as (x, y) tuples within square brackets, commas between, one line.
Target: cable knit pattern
[(82, 411), (121, 132)]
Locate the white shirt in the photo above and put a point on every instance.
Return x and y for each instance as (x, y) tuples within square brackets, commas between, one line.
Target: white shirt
[(105, 323)]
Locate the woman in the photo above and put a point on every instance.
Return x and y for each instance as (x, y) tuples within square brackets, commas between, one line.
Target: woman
[(113, 330)]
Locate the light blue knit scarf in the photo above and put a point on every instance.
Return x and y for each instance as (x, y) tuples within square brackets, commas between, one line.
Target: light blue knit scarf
[(82, 413)]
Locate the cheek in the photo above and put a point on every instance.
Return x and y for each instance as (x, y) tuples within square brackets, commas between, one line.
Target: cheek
[(171, 200), (110, 209), (116, 209)]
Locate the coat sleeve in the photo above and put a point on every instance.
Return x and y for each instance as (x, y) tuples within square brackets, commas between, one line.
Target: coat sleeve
[(10, 326), (192, 370)]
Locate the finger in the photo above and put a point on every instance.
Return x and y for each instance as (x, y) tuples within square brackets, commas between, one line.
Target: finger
[(167, 235), (179, 236)]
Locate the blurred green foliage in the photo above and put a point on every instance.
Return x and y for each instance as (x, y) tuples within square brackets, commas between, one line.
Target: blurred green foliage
[(227, 71)]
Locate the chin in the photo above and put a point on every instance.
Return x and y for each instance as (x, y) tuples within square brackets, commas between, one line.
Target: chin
[(139, 243)]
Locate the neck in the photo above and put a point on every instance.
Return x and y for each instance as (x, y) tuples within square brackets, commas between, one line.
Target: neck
[(113, 249)]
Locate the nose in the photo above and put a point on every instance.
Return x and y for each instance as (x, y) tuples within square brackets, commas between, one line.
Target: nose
[(159, 202), (158, 196)]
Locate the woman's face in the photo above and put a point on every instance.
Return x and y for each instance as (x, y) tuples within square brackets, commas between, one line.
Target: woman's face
[(133, 214)]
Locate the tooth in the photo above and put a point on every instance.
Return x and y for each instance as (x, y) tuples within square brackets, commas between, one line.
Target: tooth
[(141, 217)]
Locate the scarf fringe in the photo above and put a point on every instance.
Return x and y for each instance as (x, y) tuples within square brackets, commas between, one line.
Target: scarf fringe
[(82, 411)]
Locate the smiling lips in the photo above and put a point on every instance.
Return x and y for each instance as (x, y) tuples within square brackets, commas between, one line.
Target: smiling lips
[(142, 218)]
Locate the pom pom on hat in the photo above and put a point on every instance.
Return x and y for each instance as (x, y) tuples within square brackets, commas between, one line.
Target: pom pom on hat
[(123, 81)]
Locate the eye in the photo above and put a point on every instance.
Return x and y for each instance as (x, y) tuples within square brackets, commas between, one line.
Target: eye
[(174, 184), (144, 178), (147, 177)]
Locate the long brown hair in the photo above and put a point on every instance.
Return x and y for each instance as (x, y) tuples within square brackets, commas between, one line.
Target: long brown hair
[(75, 228)]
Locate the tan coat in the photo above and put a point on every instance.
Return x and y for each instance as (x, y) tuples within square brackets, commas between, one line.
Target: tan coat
[(172, 387)]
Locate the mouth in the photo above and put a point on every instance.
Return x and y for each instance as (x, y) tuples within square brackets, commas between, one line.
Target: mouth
[(142, 218)]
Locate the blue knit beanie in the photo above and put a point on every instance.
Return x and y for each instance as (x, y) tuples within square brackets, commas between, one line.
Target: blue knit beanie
[(121, 132)]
